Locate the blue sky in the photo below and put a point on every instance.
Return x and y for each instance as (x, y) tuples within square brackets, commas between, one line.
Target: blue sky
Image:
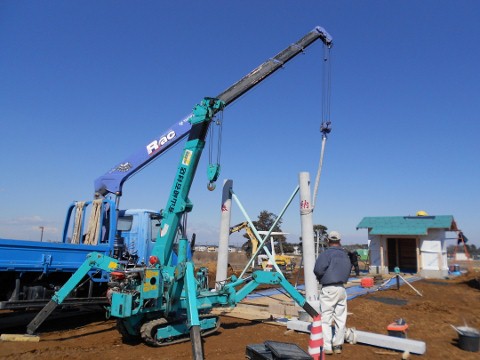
[(84, 84)]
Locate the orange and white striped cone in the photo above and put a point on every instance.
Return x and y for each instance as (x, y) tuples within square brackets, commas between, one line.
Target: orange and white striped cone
[(315, 344)]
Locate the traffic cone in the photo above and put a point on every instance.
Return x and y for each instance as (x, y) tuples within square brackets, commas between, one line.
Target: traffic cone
[(315, 344)]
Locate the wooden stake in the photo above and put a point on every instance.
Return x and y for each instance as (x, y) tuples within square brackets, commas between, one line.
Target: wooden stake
[(19, 337)]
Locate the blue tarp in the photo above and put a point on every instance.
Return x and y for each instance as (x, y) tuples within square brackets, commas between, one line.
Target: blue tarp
[(352, 291)]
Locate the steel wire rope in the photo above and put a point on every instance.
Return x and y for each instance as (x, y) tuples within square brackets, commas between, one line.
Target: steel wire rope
[(218, 121), (325, 127)]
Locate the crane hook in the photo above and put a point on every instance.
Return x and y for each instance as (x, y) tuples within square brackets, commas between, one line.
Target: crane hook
[(211, 186)]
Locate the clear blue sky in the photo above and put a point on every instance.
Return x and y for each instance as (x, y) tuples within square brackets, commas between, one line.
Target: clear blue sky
[(83, 84)]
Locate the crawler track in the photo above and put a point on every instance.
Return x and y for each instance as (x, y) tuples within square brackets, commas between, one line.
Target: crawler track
[(148, 330)]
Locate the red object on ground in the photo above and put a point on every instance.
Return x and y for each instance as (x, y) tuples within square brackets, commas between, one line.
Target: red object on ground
[(397, 330), (366, 282)]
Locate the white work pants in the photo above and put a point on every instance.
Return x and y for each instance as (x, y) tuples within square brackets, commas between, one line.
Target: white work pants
[(333, 305)]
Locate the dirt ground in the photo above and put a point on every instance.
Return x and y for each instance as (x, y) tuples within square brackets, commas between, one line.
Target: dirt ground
[(444, 303)]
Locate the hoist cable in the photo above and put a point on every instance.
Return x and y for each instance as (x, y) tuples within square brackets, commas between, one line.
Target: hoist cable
[(211, 131), (218, 121), (327, 85), (325, 126)]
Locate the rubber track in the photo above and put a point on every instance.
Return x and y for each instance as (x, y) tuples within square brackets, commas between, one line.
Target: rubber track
[(150, 326)]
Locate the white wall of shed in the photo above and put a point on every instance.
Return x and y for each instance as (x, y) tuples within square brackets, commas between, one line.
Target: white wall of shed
[(378, 255), (433, 251)]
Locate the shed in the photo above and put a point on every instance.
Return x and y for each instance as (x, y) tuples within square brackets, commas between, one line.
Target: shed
[(414, 244)]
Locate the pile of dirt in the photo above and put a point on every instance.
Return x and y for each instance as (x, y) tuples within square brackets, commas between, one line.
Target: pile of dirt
[(443, 303)]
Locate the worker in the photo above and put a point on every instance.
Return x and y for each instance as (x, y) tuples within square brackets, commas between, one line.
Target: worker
[(353, 255), (461, 238), (332, 269)]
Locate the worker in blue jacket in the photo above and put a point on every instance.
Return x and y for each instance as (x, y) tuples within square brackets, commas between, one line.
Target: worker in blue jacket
[(332, 270)]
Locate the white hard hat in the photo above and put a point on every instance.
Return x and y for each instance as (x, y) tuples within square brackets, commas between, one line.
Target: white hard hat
[(334, 236)]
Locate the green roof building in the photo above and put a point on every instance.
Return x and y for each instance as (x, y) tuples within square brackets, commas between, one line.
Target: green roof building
[(414, 244)]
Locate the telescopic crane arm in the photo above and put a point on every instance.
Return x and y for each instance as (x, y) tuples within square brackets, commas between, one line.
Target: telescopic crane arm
[(260, 73), (112, 182)]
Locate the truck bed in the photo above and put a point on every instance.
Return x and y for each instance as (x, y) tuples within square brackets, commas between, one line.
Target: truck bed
[(31, 271), (23, 255)]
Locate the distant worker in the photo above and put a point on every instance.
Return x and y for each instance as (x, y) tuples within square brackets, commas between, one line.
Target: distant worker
[(461, 238), (353, 255), (332, 270)]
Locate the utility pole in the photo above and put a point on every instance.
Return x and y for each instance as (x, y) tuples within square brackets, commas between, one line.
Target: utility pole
[(41, 234)]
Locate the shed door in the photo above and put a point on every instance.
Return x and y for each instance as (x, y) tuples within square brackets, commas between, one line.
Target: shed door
[(402, 253)]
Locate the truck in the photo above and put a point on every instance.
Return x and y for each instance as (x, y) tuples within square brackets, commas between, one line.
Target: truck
[(165, 299), (31, 271)]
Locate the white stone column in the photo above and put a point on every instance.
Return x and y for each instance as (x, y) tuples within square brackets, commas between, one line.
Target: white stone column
[(308, 244), (222, 256)]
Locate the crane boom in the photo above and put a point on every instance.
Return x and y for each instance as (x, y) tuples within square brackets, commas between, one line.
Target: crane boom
[(112, 182), (261, 72)]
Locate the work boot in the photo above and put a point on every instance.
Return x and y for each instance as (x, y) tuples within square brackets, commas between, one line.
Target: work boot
[(328, 351), (337, 349)]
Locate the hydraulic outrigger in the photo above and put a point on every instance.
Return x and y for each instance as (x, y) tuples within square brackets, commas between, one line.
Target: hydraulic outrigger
[(161, 302)]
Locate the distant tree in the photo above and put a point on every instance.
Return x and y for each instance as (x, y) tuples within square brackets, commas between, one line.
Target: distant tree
[(319, 232), (320, 229), (473, 250), (319, 237), (289, 248)]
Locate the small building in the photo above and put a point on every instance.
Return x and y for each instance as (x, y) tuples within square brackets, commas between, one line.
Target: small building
[(414, 244)]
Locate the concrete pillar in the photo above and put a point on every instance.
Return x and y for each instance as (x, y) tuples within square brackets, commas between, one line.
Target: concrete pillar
[(222, 256), (308, 245), (354, 336)]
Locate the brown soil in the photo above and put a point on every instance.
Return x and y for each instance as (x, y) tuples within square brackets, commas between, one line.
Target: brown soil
[(444, 303)]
